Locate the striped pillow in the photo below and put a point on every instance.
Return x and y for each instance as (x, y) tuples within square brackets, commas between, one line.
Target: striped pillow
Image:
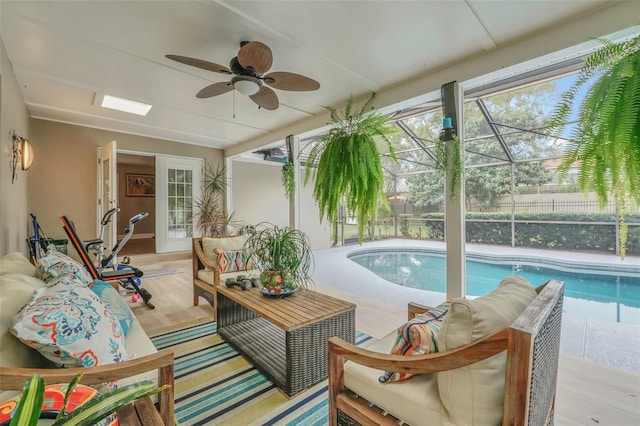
[(232, 260), (417, 337)]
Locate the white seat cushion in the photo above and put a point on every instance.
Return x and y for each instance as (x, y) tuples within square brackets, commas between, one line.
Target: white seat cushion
[(16, 263), (139, 345), (414, 400)]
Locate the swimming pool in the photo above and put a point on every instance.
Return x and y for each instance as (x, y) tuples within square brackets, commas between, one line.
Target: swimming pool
[(604, 293)]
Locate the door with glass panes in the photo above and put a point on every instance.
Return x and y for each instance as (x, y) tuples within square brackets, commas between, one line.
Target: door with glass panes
[(178, 182)]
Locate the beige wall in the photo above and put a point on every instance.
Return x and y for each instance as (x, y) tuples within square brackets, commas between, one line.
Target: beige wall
[(63, 179), (258, 196), (318, 232), (14, 207), (131, 206)]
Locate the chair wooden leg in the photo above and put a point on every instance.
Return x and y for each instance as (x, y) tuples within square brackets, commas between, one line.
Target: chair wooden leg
[(196, 298)]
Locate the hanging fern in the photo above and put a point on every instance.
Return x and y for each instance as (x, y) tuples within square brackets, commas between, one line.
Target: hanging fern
[(441, 153), (288, 179), (348, 164), (606, 139)]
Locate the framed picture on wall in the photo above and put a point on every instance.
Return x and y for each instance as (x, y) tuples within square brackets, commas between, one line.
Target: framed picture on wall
[(140, 185)]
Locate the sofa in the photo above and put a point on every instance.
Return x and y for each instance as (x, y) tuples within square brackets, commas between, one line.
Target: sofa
[(490, 360), (19, 286), (215, 260)]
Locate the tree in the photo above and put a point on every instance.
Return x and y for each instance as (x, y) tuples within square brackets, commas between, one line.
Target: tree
[(526, 108)]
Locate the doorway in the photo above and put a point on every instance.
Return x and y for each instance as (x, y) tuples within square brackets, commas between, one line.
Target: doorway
[(136, 194)]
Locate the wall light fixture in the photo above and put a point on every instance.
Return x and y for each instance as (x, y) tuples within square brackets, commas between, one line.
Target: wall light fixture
[(22, 154)]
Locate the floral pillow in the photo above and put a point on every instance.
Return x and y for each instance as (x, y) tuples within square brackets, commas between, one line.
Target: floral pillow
[(112, 299), (417, 337), (232, 260), (56, 264), (70, 326)]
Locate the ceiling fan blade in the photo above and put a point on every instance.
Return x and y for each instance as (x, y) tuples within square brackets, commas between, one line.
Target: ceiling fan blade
[(199, 63), (257, 55), (291, 81), (266, 98), (215, 89)]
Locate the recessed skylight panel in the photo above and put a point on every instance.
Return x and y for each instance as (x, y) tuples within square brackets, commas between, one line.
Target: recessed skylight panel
[(125, 105)]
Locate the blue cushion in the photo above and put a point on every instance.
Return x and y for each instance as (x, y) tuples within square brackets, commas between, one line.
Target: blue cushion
[(112, 299)]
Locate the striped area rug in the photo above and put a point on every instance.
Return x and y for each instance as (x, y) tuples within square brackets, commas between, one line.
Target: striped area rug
[(215, 385)]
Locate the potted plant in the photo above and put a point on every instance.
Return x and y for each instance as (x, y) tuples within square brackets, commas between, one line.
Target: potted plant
[(212, 219), (29, 409), (606, 138), (346, 164), (283, 256)]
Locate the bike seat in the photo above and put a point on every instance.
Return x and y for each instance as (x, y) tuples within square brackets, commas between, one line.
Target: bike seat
[(90, 243)]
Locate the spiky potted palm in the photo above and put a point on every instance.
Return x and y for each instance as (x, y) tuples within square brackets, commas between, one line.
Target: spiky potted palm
[(29, 409), (212, 219), (283, 255), (606, 139), (346, 167)]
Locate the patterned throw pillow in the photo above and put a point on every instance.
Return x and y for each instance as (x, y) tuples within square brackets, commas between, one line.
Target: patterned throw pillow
[(232, 260), (70, 326), (112, 299), (417, 337), (56, 264)]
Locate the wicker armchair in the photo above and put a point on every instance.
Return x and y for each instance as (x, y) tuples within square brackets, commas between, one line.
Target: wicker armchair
[(532, 351), (206, 273)]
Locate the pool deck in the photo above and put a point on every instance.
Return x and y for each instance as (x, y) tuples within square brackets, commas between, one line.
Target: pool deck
[(610, 343)]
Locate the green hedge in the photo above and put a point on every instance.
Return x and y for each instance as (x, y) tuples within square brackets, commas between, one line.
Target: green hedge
[(584, 236)]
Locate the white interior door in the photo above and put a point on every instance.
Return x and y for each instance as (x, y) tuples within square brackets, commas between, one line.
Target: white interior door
[(107, 191), (178, 181)]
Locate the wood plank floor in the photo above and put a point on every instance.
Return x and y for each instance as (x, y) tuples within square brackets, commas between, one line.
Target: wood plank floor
[(588, 393)]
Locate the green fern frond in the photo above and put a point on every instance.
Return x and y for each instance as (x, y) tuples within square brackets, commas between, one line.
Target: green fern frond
[(349, 169), (606, 139)]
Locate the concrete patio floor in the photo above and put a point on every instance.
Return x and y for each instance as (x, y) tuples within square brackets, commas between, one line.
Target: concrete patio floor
[(605, 342)]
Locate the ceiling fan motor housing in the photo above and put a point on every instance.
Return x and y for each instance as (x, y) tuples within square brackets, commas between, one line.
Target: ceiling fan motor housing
[(238, 69)]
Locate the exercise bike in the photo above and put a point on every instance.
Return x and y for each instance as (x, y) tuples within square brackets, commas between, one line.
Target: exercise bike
[(103, 261)]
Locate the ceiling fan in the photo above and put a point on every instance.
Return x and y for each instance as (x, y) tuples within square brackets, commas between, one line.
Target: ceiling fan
[(248, 68)]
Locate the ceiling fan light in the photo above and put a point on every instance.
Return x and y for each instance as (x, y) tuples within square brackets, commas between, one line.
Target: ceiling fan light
[(246, 87)]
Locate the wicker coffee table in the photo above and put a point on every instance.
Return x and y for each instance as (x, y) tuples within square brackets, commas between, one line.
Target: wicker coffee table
[(285, 338)]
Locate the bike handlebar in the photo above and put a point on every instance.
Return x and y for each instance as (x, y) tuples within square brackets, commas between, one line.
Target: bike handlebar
[(107, 216), (138, 217)]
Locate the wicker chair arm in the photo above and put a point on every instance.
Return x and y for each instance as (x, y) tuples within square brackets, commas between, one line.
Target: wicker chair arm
[(423, 364)]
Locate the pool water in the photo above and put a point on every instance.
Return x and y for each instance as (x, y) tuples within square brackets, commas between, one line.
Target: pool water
[(592, 294)]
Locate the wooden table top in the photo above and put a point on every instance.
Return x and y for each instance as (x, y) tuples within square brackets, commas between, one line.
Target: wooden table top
[(289, 313)]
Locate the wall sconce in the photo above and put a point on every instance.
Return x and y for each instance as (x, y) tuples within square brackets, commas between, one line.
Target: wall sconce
[(22, 154)]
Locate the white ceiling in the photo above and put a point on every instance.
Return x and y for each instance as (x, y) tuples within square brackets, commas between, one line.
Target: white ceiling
[(67, 54)]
